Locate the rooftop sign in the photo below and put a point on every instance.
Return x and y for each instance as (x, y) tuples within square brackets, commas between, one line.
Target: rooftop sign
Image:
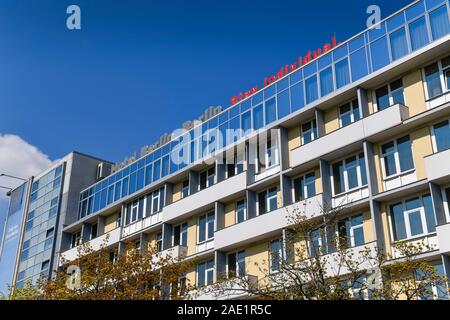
[(301, 61)]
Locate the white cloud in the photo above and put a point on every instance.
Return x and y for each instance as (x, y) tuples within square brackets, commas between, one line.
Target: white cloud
[(19, 158)]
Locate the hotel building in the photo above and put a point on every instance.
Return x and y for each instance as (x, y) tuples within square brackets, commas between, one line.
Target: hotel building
[(365, 126)]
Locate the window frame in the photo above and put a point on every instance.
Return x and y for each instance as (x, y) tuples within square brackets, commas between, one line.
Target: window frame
[(398, 173), (442, 79), (406, 213), (313, 129), (207, 222), (267, 200), (183, 234), (433, 134), (237, 266), (213, 269), (390, 94), (345, 182), (244, 210), (351, 112), (304, 192), (184, 193)]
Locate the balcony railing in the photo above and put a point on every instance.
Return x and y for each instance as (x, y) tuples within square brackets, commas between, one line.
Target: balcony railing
[(267, 224), (231, 289), (204, 198), (143, 224), (438, 166), (356, 132), (443, 235), (108, 239)]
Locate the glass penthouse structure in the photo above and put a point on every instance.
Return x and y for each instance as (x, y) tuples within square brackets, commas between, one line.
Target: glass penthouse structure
[(365, 126)]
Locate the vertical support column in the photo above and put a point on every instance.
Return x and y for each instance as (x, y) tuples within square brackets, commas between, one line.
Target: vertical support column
[(363, 101), (100, 226), (438, 204), (85, 232), (286, 190), (121, 247), (219, 216), (168, 194), (375, 207), (320, 120), (221, 168), (193, 182), (370, 168), (166, 236), (251, 150), (283, 147), (221, 265), (144, 242), (375, 211), (325, 174), (251, 204)]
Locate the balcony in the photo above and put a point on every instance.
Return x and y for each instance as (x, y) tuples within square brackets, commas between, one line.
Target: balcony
[(177, 252), (106, 240), (356, 132), (232, 289), (429, 243), (438, 166), (266, 225), (205, 198), (438, 101), (443, 235), (146, 223)]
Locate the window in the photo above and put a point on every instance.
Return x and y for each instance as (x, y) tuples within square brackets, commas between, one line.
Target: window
[(318, 242), (132, 212), (205, 273), (312, 92), (207, 178), (271, 110), (326, 82), (276, 255), (76, 239), (185, 189), (309, 131), (241, 211), (206, 227), (180, 235), (436, 290), (439, 22), (441, 136), (267, 200), (349, 113), (352, 231), (159, 241), (305, 187), (267, 154), (349, 174), (93, 234), (418, 33), (397, 157), (390, 95), (155, 202), (413, 218), (342, 73), (433, 81), (258, 117), (399, 45), (236, 264), (45, 265)]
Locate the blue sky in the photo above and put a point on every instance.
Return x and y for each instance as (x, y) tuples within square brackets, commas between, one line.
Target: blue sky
[(138, 69)]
